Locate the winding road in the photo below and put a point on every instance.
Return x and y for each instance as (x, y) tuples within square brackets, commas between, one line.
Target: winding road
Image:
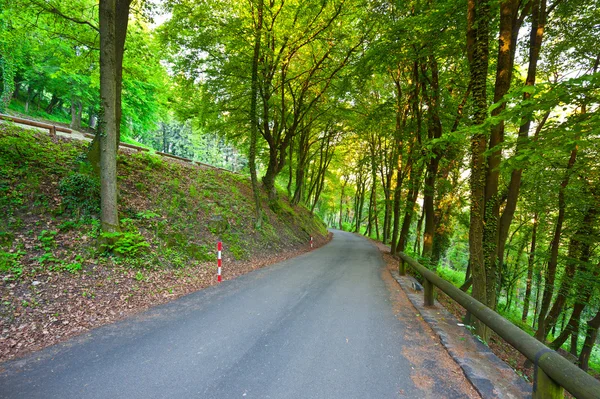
[(327, 324)]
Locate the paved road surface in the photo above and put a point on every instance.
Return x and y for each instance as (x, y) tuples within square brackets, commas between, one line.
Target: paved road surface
[(318, 326)]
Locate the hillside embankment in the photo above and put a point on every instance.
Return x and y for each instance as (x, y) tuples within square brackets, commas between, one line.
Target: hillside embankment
[(57, 281)]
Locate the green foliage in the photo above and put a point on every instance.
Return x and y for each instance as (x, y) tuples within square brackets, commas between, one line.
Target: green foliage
[(454, 276), (9, 262), (128, 244), (147, 214), (46, 238), (139, 276), (73, 268), (81, 193), (153, 161)]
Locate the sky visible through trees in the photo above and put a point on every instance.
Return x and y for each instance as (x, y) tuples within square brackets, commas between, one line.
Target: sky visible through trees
[(465, 133)]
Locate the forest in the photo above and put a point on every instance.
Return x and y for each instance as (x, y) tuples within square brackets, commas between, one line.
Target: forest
[(465, 133)]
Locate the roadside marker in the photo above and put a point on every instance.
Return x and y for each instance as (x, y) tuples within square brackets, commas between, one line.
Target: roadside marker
[(219, 249), (311, 242)]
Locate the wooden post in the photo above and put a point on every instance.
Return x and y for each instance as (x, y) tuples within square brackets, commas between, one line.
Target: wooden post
[(544, 387), (52, 130), (402, 268), (428, 292)]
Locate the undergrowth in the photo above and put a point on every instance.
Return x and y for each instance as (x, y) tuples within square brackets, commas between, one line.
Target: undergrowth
[(172, 215)]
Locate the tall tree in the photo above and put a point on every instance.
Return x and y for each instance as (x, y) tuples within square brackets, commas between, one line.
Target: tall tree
[(253, 115), (114, 17), (478, 20)]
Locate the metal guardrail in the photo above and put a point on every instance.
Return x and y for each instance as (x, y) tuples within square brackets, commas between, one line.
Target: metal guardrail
[(552, 372)]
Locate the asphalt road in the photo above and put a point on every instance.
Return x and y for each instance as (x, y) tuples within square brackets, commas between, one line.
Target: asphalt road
[(321, 325)]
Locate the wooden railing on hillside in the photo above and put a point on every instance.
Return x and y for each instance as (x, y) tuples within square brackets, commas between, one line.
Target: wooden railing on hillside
[(52, 129), (552, 372)]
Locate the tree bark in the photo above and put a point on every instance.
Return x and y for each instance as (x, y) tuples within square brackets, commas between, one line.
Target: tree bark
[(417, 246), (301, 163), (541, 332), (411, 199), (401, 116), (76, 111), (291, 167), (583, 294), (530, 263), (435, 132), (508, 14), (538, 24), (120, 21), (478, 19), (113, 28), (254, 116), (590, 339), (345, 181), (29, 97), (53, 103), (397, 199)]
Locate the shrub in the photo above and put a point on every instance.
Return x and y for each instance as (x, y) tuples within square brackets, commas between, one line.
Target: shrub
[(454, 276), (123, 243), (81, 193)]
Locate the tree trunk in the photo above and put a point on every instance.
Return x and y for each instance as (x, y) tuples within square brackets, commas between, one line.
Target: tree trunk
[(301, 163), (583, 294), (53, 102), (565, 285), (435, 132), (17, 86), (478, 19), (108, 131), (254, 117), (342, 204), (571, 328), (530, 263), (113, 29), (401, 116), (538, 285), (411, 200), (76, 111), (326, 152), (535, 44), (508, 14), (590, 339), (541, 332), (417, 246), (397, 199), (291, 167), (273, 168), (29, 97), (370, 223)]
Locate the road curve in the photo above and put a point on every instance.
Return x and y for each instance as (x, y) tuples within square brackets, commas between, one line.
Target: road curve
[(321, 325)]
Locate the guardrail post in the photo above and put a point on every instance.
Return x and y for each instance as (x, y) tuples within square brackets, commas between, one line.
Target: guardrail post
[(428, 292), (402, 268), (53, 131), (544, 387)]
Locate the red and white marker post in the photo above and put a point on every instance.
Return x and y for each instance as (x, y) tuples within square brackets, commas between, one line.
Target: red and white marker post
[(311, 242), (219, 249)]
